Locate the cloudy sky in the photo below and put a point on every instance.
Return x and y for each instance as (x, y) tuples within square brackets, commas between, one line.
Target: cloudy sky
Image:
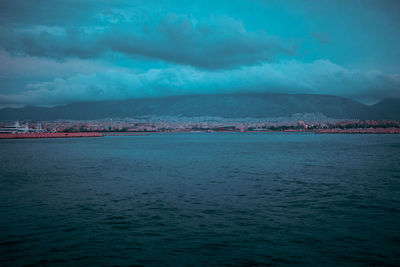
[(61, 51)]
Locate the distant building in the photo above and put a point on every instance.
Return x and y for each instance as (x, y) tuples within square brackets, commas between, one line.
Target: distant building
[(16, 128)]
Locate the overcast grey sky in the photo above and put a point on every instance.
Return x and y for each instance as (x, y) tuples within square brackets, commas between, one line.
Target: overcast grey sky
[(57, 52)]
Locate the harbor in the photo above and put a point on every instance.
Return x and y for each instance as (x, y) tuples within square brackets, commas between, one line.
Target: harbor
[(47, 135), (18, 131)]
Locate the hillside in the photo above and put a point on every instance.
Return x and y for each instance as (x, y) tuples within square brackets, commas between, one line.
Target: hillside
[(229, 106)]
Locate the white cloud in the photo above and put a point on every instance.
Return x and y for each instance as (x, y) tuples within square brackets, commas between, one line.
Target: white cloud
[(28, 67), (318, 77)]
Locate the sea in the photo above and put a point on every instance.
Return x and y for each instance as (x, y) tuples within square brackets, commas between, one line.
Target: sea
[(201, 199)]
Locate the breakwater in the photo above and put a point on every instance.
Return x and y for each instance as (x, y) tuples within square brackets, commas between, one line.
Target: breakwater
[(361, 131), (48, 135)]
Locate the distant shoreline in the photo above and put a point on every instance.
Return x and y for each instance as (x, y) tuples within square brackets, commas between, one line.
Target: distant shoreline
[(102, 134), (48, 135)]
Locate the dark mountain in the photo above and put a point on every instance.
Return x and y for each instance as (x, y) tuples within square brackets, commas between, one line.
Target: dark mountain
[(388, 109), (229, 106)]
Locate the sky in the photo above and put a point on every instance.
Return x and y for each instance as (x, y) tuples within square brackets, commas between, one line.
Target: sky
[(58, 52)]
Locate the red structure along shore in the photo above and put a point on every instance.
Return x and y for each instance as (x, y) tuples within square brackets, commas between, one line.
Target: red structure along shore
[(361, 131), (99, 134), (48, 135)]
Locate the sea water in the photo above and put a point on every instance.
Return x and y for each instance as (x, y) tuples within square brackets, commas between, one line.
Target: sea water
[(201, 199)]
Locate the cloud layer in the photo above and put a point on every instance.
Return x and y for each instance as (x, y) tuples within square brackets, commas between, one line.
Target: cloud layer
[(318, 77), (58, 52), (220, 43)]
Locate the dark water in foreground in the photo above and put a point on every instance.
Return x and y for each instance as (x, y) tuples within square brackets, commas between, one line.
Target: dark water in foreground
[(201, 199)]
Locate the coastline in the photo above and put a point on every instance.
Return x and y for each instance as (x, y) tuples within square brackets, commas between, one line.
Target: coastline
[(102, 134), (361, 131), (48, 135)]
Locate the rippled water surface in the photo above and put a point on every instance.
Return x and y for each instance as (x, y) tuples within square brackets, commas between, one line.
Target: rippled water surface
[(201, 199)]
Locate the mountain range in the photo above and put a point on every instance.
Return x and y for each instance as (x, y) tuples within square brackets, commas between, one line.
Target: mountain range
[(255, 105)]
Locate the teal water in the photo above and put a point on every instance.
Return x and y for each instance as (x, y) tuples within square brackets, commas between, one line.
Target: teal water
[(201, 199)]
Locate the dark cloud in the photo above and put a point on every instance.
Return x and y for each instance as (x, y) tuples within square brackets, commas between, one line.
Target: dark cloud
[(219, 43), (321, 37), (71, 13), (67, 50), (45, 12), (65, 44)]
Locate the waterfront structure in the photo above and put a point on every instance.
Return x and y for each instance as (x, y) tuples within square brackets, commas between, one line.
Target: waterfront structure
[(16, 128)]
